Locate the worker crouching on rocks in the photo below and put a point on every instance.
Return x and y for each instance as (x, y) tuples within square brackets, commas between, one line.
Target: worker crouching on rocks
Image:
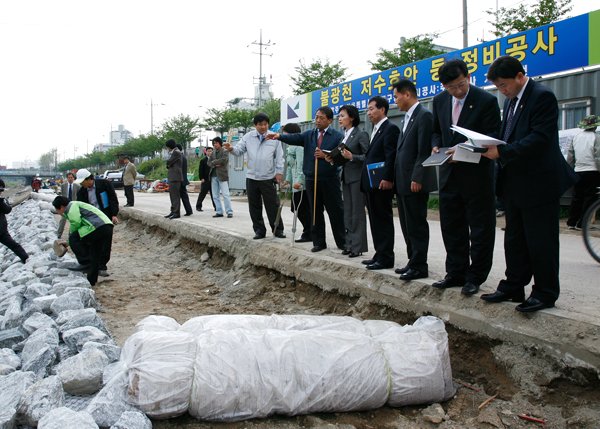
[(5, 237), (90, 231)]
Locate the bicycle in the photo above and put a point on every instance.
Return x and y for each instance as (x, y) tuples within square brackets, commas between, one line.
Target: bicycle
[(591, 230)]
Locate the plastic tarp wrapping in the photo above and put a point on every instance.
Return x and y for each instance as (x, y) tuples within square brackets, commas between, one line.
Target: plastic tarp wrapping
[(199, 324), (242, 374), (236, 367), (159, 367)]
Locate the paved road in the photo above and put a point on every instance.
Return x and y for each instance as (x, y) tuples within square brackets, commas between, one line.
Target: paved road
[(579, 275)]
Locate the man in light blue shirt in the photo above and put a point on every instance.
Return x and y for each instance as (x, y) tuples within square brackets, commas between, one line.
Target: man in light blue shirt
[(265, 167)]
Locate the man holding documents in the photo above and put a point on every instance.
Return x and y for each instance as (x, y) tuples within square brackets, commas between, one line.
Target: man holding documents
[(377, 180), (413, 181), (467, 203), (533, 175)]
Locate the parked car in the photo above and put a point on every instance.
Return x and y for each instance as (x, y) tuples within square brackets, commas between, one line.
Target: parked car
[(116, 177)]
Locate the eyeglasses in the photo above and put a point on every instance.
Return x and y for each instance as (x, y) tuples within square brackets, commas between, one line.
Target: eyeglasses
[(461, 85)]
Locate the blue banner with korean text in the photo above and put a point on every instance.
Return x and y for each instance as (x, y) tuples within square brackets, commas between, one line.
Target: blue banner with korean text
[(556, 47)]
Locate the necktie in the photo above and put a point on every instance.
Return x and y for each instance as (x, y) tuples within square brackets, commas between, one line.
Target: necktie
[(373, 133), (455, 112), (70, 192), (261, 137), (509, 118), (320, 138)]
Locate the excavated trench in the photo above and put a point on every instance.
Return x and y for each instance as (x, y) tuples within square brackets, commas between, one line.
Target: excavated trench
[(158, 272)]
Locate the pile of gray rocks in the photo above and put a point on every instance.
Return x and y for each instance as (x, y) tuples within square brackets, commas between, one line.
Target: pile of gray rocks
[(54, 347)]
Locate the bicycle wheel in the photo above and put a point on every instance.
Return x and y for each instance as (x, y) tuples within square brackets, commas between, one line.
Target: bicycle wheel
[(591, 230)]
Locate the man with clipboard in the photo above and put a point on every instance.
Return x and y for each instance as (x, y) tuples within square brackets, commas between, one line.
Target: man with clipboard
[(376, 183)]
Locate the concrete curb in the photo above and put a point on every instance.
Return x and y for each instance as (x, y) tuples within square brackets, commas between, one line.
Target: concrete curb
[(574, 341)]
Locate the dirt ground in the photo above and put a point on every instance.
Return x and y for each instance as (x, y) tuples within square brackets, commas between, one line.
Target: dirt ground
[(155, 273)]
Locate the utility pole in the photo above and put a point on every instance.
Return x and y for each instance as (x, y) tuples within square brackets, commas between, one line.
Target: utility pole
[(261, 79), (465, 26), (151, 118)]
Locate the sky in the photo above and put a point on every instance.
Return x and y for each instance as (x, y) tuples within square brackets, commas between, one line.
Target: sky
[(72, 70)]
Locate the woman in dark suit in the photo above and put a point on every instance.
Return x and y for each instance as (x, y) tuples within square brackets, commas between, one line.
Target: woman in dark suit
[(355, 218)]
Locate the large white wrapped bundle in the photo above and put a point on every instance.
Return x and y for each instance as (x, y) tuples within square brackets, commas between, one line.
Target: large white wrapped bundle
[(159, 368), (200, 324), (242, 374), (157, 323), (418, 360)]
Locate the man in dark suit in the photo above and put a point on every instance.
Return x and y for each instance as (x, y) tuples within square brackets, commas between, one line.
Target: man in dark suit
[(328, 190), (413, 181), (533, 175), (378, 198), (67, 189), (203, 171), (175, 177), (467, 203), (185, 199), (101, 194)]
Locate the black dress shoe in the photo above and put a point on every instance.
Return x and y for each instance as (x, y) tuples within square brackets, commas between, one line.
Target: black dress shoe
[(169, 215), (318, 248), (369, 261), (303, 239), (257, 236), (79, 267), (188, 214), (175, 216), (199, 209), (532, 304), (128, 205), (355, 255), (449, 281), (280, 235), (401, 270), (346, 252), (501, 296), (377, 266), (413, 274), (470, 289), (217, 215)]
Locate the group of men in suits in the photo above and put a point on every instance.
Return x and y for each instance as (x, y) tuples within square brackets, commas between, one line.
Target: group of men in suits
[(532, 176)]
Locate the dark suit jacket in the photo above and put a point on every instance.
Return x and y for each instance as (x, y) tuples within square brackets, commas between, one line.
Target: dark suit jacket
[(64, 190), (102, 185), (533, 170), (203, 169), (414, 147), (357, 143), (174, 164), (381, 149), (184, 170), (309, 139), (480, 113)]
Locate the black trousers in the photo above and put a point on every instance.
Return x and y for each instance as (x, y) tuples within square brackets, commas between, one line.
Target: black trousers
[(329, 197), (468, 222), (129, 194), (204, 189), (259, 191), (585, 193), (175, 195), (532, 247), (302, 208), (8, 241), (89, 249), (185, 199), (412, 211), (381, 219)]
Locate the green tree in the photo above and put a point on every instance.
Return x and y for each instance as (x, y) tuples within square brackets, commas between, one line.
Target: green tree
[(219, 120), (182, 128), (273, 109), (411, 50), (47, 160), (515, 20), (320, 74), (244, 118)]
